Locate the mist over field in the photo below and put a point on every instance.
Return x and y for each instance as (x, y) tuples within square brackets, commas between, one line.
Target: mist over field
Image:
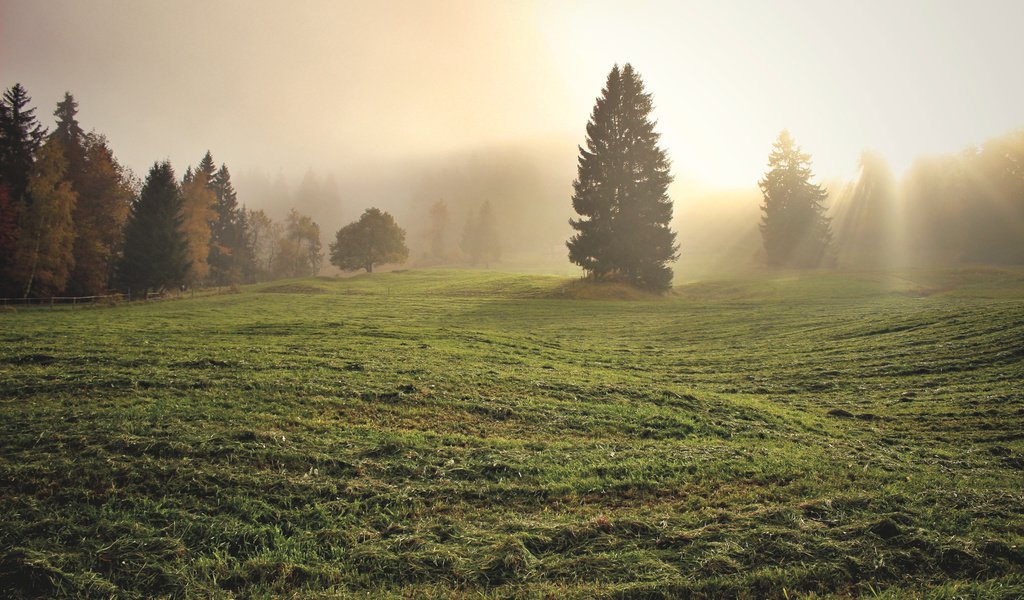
[(508, 299)]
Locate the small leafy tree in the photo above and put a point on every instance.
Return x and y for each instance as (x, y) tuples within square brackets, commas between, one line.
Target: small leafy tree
[(298, 252), (372, 240), (794, 227)]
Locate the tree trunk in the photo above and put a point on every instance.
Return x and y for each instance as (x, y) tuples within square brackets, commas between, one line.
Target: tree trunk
[(369, 267)]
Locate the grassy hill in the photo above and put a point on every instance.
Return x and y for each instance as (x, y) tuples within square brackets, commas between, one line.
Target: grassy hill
[(460, 433)]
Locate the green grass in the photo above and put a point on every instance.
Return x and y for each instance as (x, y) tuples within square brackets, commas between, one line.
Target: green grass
[(460, 433)]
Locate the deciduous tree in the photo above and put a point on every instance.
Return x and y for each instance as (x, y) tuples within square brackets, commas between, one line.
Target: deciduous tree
[(43, 258), (372, 240)]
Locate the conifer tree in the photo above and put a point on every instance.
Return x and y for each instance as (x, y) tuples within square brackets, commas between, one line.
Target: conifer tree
[(621, 190), (794, 227), (43, 258), (72, 138), (372, 240), (21, 136), (155, 248), (227, 232)]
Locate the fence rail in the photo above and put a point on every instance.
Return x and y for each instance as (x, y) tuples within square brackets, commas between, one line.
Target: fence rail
[(55, 301), (76, 301)]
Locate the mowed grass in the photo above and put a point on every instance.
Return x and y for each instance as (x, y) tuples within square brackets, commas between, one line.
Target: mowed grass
[(459, 433)]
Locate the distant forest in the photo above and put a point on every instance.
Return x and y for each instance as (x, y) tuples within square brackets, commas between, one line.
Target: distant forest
[(73, 221)]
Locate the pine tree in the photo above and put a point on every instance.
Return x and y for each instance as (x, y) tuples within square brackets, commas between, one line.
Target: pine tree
[(72, 138), (227, 232), (21, 136), (43, 258), (155, 249), (206, 168), (372, 240), (621, 190), (794, 227)]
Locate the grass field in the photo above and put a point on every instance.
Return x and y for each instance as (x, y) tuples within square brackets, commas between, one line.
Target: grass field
[(460, 433)]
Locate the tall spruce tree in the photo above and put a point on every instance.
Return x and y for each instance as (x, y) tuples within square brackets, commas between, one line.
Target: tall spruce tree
[(794, 227), (21, 136), (155, 248), (71, 137), (621, 190), (227, 232)]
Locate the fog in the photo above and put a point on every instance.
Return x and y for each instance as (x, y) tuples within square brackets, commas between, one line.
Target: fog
[(333, 107)]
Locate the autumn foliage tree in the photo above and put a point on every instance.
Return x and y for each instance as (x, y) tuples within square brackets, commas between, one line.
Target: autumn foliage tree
[(197, 214), (103, 199), (372, 240), (43, 256)]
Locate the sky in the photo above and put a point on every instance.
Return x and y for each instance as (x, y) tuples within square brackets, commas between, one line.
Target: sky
[(289, 86)]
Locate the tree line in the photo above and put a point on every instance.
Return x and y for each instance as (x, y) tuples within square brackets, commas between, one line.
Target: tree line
[(967, 208), (75, 221)]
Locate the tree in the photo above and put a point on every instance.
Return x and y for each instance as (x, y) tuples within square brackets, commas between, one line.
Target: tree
[(21, 137), (866, 221), (621, 190), (104, 199), (298, 253), (155, 248), (198, 199), (43, 258), (228, 253), (794, 227), (372, 240), (480, 237), (437, 232), (71, 137), (263, 238)]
